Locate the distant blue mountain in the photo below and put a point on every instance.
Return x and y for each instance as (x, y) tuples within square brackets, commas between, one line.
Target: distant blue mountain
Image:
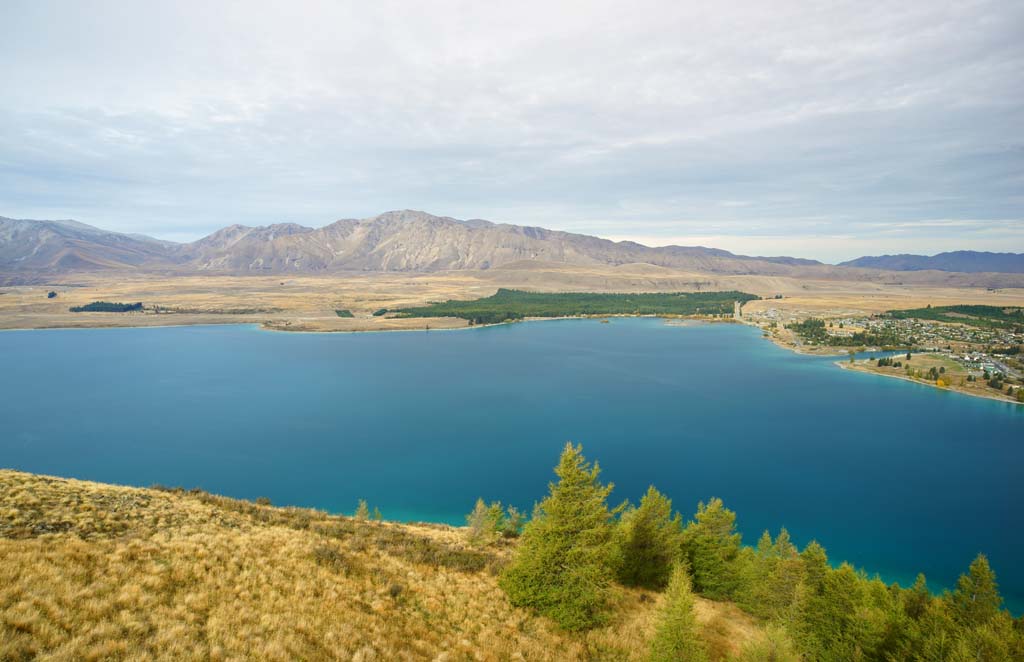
[(962, 261)]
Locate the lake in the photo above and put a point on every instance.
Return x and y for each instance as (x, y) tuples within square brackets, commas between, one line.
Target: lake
[(892, 476)]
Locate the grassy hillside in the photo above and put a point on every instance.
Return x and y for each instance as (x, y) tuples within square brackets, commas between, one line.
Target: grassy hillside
[(91, 571)]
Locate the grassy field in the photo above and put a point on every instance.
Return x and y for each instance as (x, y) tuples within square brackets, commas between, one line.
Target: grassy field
[(95, 572), (308, 303)]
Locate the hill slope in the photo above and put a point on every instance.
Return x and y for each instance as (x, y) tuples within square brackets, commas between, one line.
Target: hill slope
[(93, 571), (63, 246), (961, 261)]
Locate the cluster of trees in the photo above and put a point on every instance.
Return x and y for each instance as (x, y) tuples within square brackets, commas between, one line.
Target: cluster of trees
[(998, 382), (486, 524), (814, 330), (344, 312), (973, 315), (363, 512), (106, 307), (508, 304), (887, 361), (576, 549)]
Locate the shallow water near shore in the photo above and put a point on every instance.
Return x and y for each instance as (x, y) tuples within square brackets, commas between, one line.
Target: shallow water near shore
[(892, 476)]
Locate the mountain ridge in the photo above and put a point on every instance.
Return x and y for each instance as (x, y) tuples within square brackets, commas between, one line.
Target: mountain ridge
[(395, 241), (404, 240), (958, 261)]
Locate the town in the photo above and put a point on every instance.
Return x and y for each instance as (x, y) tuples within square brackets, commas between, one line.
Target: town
[(978, 354)]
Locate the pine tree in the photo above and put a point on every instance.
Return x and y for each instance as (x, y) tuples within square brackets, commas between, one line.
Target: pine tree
[(563, 565), (648, 542), (976, 598), (712, 545), (363, 511), (484, 524), (815, 564), (775, 646), (676, 637), (917, 598)]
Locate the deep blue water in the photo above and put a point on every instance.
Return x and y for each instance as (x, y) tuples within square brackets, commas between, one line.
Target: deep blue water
[(893, 476)]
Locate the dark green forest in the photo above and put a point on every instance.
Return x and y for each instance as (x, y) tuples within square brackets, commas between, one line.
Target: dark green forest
[(972, 315), (106, 307), (507, 305), (576, 550)]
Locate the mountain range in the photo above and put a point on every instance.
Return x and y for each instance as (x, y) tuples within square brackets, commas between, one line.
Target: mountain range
[(962, 261), (409, 241)]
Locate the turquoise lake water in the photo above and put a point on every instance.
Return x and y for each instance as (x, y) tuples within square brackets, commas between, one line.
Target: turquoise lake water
[(892, 476)]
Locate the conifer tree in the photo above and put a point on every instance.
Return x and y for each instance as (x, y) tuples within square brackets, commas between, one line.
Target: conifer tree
[(484, 524), (712, 545), (648, 542), (815, 564), (563, 565), (917, 598), (676, 637), (976, 598), (362, 511)]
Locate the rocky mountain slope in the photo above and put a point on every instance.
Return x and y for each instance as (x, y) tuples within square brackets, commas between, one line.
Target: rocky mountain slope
[(64, 246), (394, 241), (411, 242)]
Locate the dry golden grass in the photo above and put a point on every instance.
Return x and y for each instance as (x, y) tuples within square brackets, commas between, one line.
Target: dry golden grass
[(307, 303), (96, 572)]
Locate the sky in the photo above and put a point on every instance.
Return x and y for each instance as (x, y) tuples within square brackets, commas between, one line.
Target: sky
[(826, 130)]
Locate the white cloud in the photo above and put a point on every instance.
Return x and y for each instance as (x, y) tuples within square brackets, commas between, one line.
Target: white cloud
[(176, 118)]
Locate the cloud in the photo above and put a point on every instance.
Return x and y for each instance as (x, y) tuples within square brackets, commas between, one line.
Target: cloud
[(757, 119)]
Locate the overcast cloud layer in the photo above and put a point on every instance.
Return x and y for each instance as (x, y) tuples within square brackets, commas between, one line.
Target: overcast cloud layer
[(825, 130)]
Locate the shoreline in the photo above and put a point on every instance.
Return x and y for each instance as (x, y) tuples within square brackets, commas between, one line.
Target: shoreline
[(951, 389), (778, 342), (273, 327), (678, 321)]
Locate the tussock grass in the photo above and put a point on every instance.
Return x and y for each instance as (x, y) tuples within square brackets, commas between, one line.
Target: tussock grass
[(99, 572)]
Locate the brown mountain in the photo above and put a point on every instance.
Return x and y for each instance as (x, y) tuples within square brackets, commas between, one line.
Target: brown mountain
[(394, 241), (64, 246), (405, 241)]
